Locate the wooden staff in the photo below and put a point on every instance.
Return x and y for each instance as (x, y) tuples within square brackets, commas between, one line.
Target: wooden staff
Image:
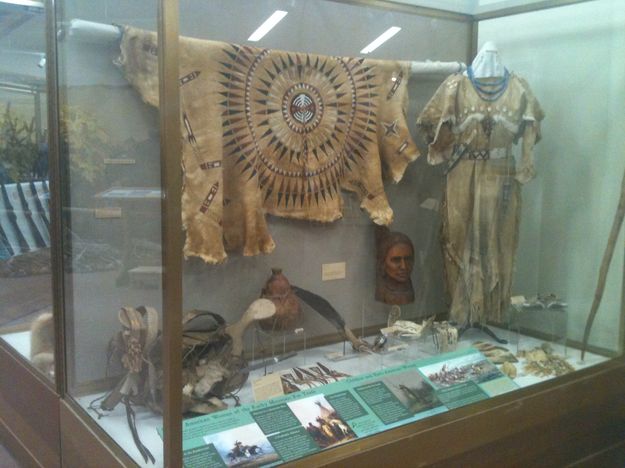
[(605, 265)]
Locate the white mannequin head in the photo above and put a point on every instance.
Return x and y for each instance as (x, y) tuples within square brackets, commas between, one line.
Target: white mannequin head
[(489, 47), (487, 62)]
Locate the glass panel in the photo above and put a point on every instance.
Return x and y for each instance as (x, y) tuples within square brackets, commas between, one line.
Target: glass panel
[(487, 6), (109, 143), (458, 6), (25, 271), (469, 289), (471, 7), (310, 140), (569, 208), (307, 323)]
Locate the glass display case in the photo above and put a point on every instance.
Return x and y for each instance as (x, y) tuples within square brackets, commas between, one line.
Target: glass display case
[(111, 179), (313, 230), (29, 319), (25, 262)]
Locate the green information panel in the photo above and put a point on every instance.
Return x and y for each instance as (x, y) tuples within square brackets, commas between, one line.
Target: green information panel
[(346, 405), (293, 426), (461, 395), (202, 457), (293, 444), (383, 403), (275, 419)]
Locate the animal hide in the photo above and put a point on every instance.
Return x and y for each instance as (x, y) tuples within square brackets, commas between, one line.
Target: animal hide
[(42, 343), (284, 133), (482, 205)]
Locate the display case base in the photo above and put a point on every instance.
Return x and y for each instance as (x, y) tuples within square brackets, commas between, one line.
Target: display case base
[(115, 424)]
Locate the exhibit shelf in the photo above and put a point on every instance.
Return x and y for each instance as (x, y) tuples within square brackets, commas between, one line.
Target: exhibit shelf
[(363, 365)]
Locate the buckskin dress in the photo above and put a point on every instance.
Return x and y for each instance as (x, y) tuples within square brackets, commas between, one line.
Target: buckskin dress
[(275, 132), (482, 198)]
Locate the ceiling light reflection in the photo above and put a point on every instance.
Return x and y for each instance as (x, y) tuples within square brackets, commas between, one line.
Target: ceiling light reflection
[(267, 25), (381, 39)]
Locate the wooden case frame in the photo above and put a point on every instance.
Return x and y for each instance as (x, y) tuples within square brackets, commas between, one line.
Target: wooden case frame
[(573, 419)]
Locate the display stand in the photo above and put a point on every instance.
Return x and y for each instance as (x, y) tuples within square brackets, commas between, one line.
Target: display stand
[(409, 347), (545, 319), (132, 200), (482, 328), (348, 350), (272, 347)]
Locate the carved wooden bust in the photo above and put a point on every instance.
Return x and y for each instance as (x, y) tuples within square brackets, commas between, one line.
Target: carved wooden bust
[(395, 259)]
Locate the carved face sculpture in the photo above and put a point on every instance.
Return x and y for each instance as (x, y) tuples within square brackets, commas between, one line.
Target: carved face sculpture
[(398, 262), (395, 255)]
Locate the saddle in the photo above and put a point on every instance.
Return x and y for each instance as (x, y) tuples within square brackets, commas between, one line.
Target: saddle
[(210, 370)]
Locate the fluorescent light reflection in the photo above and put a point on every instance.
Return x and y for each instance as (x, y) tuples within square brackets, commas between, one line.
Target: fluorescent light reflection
[(267, 25), (377, 42), (26, 3)]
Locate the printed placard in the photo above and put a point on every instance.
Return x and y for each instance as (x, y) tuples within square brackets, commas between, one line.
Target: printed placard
[(333, 271), (298, 424), (110, 212), (268, 386), (120, 161), (431, 204)]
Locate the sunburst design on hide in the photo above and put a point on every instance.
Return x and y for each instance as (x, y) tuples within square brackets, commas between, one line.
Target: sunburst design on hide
[(297, 122)]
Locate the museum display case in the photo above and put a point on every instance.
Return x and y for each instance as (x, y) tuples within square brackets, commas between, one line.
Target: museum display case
[(311, 230), (25, 277), (28, 368)]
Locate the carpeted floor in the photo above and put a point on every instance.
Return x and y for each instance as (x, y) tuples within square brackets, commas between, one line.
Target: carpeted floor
[(6, 460)]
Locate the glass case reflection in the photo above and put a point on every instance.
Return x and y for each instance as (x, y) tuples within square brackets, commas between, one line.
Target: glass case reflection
[(25, 270)]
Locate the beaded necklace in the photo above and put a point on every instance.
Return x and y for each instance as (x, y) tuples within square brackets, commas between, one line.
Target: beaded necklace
[(489, 89)]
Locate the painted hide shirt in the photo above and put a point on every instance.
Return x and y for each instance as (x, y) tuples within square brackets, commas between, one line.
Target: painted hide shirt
[(279, 133), (480, 213)]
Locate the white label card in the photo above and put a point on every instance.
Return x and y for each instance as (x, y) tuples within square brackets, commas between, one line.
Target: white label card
[(431, 204), (122, 161), (333, 271), (267, 387), (517, 300), (108, 212)]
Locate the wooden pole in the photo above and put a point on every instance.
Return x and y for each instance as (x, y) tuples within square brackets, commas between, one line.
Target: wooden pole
[(605, 265)]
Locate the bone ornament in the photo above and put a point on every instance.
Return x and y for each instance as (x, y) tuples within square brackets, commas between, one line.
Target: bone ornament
[(260, 309), (408, 329)]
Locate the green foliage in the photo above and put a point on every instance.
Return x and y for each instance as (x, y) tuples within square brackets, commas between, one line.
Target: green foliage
[(18, 146), (85, 142), (82, 139)]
